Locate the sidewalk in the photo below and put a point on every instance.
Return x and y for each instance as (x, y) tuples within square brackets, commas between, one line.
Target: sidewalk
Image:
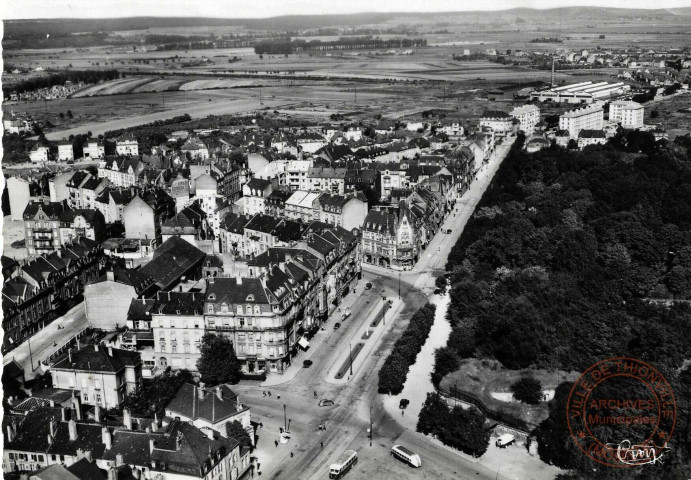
[(274, 379)]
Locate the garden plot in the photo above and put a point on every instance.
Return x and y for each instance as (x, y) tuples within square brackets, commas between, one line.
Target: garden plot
[(207, 84), (159, 86)]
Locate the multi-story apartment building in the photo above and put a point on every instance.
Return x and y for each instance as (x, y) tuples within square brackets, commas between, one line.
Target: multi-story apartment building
[(497, 121), (262, 232), (325, 179), (177, 323), (394, 236), (528, 116), (111, 202), (255, 193), (628, 113), (586, 118), (347, 211), (103, 375), (94, 149), (591, 137), (38, 153), (39, 287), (83, 190), (49, 225), (300, 206), (127, 145), (210, 408), (171, 449), (65, 150), (275, 204), (296, 174), (121, 171), (265, 314)]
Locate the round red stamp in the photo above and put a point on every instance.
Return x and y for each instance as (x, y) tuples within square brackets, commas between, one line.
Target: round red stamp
[(621, 412)]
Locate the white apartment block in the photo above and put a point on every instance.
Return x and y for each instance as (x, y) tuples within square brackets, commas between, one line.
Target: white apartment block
[(586, 118), (628, 113), (528, 116)]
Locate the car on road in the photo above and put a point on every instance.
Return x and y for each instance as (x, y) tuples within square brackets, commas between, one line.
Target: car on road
[(403, 404), (307, 363), (505, 440), (325, 402), (449, 231), (337, 326), (368, 286)]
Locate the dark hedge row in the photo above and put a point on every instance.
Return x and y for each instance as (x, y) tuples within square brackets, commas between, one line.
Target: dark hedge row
[(394, 372)]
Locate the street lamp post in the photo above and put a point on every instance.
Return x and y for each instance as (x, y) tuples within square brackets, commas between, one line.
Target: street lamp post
[(399, 285), (350, 347), (31, 357), (285, 419), (371, 431)]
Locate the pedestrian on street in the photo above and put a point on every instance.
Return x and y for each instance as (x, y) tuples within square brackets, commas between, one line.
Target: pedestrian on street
[(402, 413), (321, 444), (276, 443), (269, 393), (261, 425), (291, 454), (278, 397), (264, 393), (315, 393)]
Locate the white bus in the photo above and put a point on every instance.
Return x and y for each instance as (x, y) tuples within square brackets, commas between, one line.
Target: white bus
[(402, 453), (344, 463)]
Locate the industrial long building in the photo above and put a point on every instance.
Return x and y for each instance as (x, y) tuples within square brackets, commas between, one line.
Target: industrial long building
[(585, 92)]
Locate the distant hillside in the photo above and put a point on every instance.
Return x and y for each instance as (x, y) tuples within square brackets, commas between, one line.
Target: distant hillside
[(292, 22), (62, 33), (680, 11)]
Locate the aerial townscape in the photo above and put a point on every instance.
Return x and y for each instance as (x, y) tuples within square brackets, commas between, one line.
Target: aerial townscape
[(295, 246)]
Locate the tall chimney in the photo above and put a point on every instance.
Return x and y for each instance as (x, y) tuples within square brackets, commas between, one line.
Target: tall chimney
[(63, 414), (51, 425), (127, 418), (219, 392), (72, 428), (151, 445), (106, 437), (96, 347), (112, 474), (97, 413), (110, 275), (10, 432), (238, 279), (89, 456), (50, 439), (119, 460), (77, 408), (110, 351), (69, 354)]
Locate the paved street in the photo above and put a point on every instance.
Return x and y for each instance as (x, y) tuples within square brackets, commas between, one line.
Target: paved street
[(42, 344), (347, 421)]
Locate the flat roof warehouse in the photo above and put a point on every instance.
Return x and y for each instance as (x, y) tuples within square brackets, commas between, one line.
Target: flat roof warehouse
[(584, 92)]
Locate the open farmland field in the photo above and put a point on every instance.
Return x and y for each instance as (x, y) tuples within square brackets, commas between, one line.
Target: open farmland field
[(153, 85)]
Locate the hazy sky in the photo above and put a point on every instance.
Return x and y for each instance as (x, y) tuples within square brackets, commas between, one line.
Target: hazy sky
[(14, 9)]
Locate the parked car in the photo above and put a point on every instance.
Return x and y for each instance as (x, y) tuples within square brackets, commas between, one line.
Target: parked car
[(449, 231), (307, 364), (337, 326), (368, 286), (326, 402), (403, 404), (505, 440)]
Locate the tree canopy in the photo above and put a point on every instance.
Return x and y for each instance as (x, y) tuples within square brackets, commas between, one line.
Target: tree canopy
[(218, 363)]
